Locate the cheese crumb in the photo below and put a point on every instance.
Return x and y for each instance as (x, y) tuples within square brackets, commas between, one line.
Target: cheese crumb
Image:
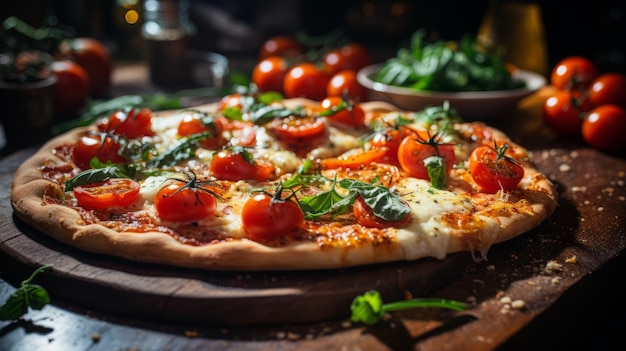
[(572, 259), (518, 304)]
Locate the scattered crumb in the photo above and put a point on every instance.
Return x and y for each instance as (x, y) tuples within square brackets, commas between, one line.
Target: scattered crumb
[(95, 337), (555, 280), (564, 167), (552, 267), (518, 304), (505, 300), (293, 336), (191, 333), (572, 259)]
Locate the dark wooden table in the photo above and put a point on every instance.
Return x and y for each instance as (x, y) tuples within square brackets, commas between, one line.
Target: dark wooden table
[(558, 286)]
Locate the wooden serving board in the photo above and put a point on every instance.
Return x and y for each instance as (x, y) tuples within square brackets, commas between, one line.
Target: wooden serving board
[(186, 295)]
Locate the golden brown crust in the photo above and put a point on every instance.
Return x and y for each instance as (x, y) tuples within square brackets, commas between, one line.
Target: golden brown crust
[(534, 202)]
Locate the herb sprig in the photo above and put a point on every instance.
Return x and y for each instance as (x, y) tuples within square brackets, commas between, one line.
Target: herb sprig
[(370, 309), (27, 295)]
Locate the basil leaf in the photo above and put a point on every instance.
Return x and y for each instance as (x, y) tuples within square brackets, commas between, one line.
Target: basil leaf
[(14, 307), (385, 203), (184, 150), (94, 175), (436, 169), (36, 296), (327, 203)]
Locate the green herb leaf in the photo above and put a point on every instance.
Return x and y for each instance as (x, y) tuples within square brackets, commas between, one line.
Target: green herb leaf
[(385, 203), (28, 295), (95, 175), (185, 149), (435, 166)]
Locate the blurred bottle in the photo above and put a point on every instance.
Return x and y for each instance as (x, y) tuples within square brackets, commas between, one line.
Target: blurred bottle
[(166, 32), (517, 27)]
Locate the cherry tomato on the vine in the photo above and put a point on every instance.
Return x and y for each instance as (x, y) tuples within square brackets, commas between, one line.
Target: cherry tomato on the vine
[(72, 88), (604, 128), (562, 115), (185, 200), (306, 80), (344, 83), (573, 73), (351, 56), (608, 88), (95, 58), (365, 216), (281, 45), (269, 73), (415, 149), (101, 145), (493, 170), (269, 217), (114, 192), (352, 114)]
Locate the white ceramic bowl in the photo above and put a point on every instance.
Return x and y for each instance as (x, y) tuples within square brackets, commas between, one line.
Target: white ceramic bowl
[(474, 105)]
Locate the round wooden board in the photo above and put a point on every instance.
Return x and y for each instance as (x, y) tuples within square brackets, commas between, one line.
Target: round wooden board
[(201, 296)]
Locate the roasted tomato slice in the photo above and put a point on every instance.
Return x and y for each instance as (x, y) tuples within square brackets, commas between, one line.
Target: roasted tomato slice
[(114, 192), (338, 110), (267, 217), (493, 170), (353, 161)]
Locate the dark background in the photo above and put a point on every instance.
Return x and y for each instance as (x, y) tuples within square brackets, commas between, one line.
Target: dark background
[(596, 29)]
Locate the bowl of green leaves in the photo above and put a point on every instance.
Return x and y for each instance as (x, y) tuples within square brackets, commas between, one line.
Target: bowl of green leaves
[(473, 79)]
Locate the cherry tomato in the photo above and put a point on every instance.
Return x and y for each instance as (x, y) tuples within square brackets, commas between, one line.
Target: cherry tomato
[(114, 192), (192, 124), (185, 200), (351, 56), (351, 114), (344, 83), (365, 216), (604, 128), (493, 170), (95, 58), (238, 165), (293, 129), (608, 88), (72, 88), (132, 123), (413, 150), (389, 140), (269, 73), (562, 115), (306, 80), (573, 73), (100, 145), (281, 45), (267, 217)]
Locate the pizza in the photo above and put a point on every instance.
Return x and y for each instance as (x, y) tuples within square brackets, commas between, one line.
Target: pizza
[(255, 182)]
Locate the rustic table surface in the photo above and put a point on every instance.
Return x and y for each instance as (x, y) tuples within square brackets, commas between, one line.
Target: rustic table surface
[(559, 285)]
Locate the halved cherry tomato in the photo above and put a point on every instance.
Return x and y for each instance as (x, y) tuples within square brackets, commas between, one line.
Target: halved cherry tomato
[(132, 123), (344, 83), (351, 56), (238, 165), (269, 73), (562, 115), (281, 45), (185, 200), (413, 150), (353, 161), (114, 192), (101, 145), (267, 217), (604, 128), (365, 216), (293, 128), (306, 80), (493, 170), (573, 73), (352, 114), (193, 124), (608, 88)]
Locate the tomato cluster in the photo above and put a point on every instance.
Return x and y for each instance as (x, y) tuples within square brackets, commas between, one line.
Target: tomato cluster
[(83, 69), (587, 104), (285, 66)]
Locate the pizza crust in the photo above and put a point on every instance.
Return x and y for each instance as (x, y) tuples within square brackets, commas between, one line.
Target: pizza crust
[(66, 225)]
